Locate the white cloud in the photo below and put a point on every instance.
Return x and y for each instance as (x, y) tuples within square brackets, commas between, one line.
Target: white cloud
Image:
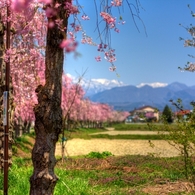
[(154, 85), (70, 76)]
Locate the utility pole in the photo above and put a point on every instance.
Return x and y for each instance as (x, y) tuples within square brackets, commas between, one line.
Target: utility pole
[(6, 103)]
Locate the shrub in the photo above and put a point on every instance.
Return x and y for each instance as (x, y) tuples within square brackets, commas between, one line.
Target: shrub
[(183, 138), (99, 155)]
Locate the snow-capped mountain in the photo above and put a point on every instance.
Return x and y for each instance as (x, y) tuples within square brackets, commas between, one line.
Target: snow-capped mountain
[(94, 86), (98, 85), (127, 97), (130, 97), (153, 85)]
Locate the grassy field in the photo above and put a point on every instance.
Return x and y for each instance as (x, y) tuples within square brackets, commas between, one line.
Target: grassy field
[(102, 173), (87, 133), (132, 126), (110, 175), (141, 126)]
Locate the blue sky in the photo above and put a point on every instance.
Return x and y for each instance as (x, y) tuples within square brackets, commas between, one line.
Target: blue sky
[(140, 58)]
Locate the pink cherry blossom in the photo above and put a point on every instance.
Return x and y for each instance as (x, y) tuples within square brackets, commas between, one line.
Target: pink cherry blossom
[(27, 55), (98, 58), (110, 56), (71, 8), (51, 24), (112, 68), (117, 30), (109, 19), (68, 45), (85, 17), (45, 1), (50, 12), (116, 3), (19, 5)]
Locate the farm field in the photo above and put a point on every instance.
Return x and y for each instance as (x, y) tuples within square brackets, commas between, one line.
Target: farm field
[(107, 166), (136, 141), (118, 147)]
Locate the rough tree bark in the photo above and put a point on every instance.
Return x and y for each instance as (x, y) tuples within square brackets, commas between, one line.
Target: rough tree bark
[(48, 112), (2, 89)]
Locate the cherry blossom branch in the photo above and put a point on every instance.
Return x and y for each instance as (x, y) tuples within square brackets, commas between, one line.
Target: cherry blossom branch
[(190, 66)]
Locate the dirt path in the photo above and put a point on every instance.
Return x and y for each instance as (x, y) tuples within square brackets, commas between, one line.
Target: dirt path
[(76, 147)]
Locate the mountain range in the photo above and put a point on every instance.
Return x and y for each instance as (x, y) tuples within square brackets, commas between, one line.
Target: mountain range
[(94, 86), (98, 85), (129, 97)]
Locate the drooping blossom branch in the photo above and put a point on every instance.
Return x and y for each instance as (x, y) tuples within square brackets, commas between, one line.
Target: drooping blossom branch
[(190, 42), (74, 9), (29, 26)]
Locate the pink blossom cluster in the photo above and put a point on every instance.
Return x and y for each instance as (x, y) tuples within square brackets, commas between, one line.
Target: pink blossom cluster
[(80, 109), (87, 40), (76, 28), (98, 58), (112, 68), (110, 56), (109, 19), (116, 3), (26, 55), (29, 24), (85, 17), (8, 54), (50, 12), (71, 9), (19, 5), (59, 23), (102, 47), (69, 45)]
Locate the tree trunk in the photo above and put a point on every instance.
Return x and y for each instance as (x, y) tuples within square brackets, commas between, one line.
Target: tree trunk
[(48, 113), (11, 105), (2, 88), (18, 126), (26, 126)]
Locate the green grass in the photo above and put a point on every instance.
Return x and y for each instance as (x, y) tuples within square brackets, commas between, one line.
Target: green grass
[(131, 126), (133, 137), (23, 140), (23, 143), (98, 154), (111, 175), (82, 133), (87, 133), (141, 126), (18, 180), (99, 173)]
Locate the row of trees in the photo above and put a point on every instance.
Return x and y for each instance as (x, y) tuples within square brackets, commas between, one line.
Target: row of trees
[(76, 109), (39, 36)]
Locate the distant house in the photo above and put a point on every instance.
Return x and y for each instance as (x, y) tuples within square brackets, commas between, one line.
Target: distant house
[(146, 112), (182, 114)]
